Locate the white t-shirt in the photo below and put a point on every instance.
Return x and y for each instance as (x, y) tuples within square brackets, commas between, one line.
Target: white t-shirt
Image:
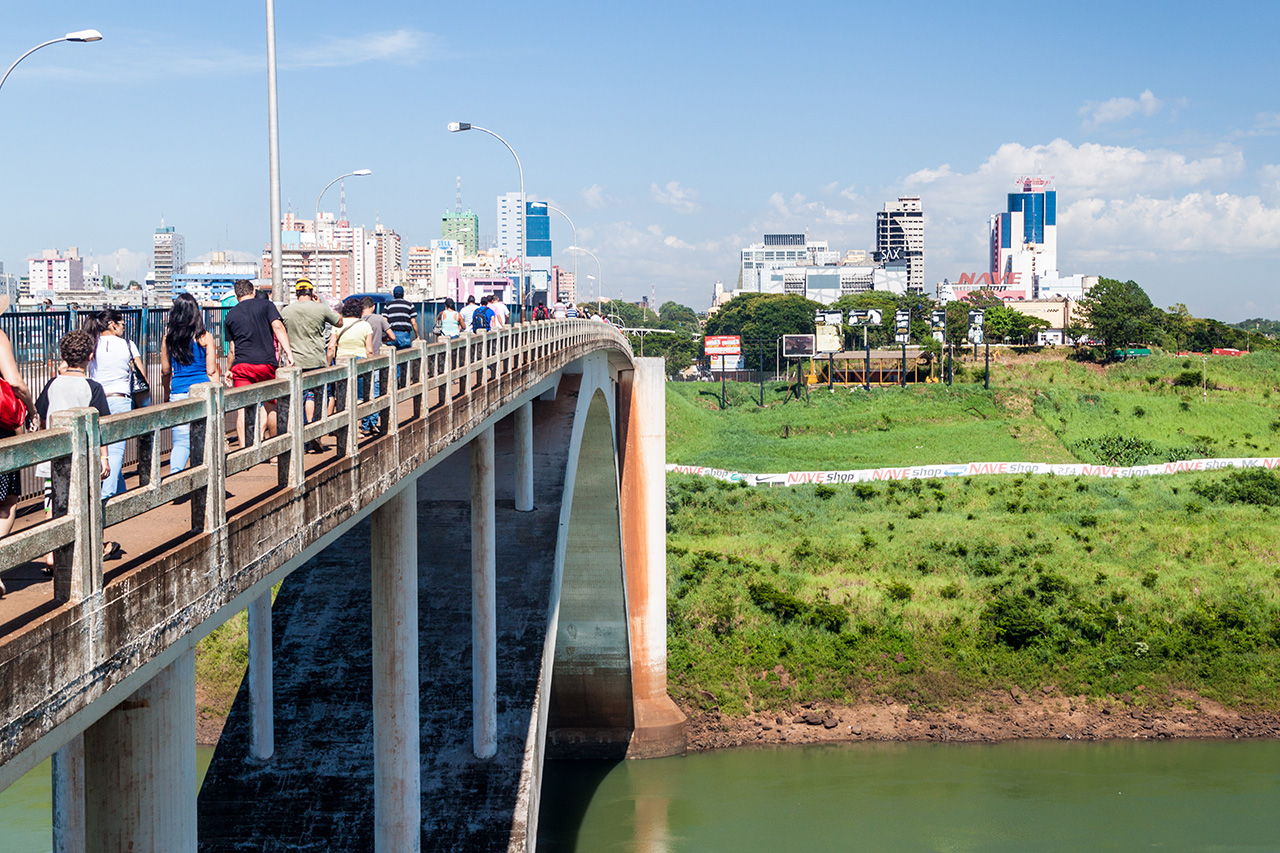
[(558, 311), (501, 310), (109, 366)]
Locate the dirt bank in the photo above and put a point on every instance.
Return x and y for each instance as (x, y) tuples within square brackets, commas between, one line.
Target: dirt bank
[(993, 717)]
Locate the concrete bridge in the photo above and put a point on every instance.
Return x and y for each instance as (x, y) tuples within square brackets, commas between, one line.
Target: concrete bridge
[(523, 466)]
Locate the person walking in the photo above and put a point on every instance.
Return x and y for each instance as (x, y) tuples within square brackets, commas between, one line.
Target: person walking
[(559, 311), (500, 312), (571, 311), (114, 358), (450, 320), (10, 486), (351, 340), (253, 328), (307, 320), (375, 424), (188, 357), (402, 318), (482, 317), (468, 310)]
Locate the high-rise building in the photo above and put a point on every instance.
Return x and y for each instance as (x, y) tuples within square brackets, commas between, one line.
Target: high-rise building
[(900, 237), (463, 227), (538, 245), (388, 256), (444, 254), (508, 220), (169, 256), (55, 271), (417, 263), (1024, 239), (565, 285)]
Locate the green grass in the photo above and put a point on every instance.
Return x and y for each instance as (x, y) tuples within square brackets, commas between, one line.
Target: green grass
[(1117, 585), (933, 591)]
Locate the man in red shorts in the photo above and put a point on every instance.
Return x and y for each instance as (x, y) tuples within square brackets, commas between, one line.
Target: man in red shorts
[(253, 329)]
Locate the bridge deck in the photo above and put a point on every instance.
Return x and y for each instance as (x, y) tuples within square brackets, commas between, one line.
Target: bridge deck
[(316, 792)]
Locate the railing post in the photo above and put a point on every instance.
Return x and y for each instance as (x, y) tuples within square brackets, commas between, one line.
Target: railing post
[(291, 466), (77, 570), (349, 435), (392, 421), (209, 505)]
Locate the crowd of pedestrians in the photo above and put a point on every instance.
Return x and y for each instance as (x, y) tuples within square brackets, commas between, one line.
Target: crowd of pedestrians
[(102, 369)]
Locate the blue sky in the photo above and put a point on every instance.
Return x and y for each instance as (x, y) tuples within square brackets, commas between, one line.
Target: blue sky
[(672, 133)]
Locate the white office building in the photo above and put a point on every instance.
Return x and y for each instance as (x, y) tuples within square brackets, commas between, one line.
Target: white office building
[(56, 272), (169, 256), (900, 238), (509, 224), (1024, 239)]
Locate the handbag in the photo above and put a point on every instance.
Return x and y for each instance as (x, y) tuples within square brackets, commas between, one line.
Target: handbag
[(138, 383), (13, 412)]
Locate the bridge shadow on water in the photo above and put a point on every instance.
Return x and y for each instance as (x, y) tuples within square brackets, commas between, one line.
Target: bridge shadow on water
[(568, 788), (316, 792)]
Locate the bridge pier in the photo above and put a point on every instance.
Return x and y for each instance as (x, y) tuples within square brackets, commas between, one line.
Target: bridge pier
[(397, 774), (484, 618), (262, 701), (68, 797), (140, 767), (524, 457)]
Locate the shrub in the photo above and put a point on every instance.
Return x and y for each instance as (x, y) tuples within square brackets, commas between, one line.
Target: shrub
[(1149, 580), (1187, 379), (831, 617), (899, 591), (1012, 619), (824, 492), (866, 491), (770, 599), (950, 591), (1252, 486)]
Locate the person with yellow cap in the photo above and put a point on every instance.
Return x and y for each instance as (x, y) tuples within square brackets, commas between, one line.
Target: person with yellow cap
[(307, 321)]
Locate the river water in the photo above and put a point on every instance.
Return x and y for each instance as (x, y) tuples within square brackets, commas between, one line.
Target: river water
[(1022, 795), (26, 808)]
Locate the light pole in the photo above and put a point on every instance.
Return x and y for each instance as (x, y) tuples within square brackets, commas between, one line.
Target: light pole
[(575, 250), (78, 35), (273, 156), (457, 127), (575, 240), (315, 223)]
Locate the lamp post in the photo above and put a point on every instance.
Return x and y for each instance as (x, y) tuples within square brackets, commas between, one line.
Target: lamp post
[(78, 35), (315, 223), (273, 157), (459, 126), (575, 240), (575, 250)]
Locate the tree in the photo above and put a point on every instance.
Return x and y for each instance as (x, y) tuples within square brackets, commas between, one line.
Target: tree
[(678, 349), (1119, 313), (762, 315), (673, 315)]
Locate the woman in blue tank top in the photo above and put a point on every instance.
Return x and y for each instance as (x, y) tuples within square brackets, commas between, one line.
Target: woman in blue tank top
[(188, 356)]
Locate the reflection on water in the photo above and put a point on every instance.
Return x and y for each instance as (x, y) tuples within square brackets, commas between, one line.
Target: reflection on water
[(26, 808), (1037, 795)]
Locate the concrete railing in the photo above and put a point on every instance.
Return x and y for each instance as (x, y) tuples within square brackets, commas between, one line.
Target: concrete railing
[(96, 637)]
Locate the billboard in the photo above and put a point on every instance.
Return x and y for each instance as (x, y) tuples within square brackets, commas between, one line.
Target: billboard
[(865, 317), (902, 326), (827, 339), (722, 344), (797, 346), (720, 363), (975, 327)]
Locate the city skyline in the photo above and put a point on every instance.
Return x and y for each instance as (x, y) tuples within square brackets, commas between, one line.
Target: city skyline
[(670, 146)]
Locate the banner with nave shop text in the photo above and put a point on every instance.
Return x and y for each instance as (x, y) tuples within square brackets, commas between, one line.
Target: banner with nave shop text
[(973, 469)]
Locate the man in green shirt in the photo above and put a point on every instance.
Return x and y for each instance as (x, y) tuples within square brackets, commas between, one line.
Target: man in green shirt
[(307, 321)]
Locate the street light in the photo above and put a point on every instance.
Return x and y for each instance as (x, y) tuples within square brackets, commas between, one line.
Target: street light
[(78, 35), (575, 240), (457, 127), (315, 223), (576, 249)]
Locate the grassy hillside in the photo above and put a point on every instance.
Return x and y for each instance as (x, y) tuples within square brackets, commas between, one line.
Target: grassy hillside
[(934, 590)]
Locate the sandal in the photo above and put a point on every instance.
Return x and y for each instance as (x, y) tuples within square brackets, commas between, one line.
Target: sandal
[(111, 550)]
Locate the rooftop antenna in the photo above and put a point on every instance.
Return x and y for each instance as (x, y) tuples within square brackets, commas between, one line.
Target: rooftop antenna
[(457, 199)]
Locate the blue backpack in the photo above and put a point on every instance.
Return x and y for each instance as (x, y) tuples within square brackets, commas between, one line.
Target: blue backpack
[(480, 319)]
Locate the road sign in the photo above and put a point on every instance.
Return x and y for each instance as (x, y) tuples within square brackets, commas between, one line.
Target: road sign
[(722, 344), (797, 346)]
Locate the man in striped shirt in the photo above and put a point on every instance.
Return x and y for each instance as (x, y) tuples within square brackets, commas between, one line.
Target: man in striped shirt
[(403, 321)]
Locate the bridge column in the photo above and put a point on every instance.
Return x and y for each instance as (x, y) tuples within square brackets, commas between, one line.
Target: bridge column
[(484, 619), (397, 773), (524, 457), (659, 724), (68, 797), (262, 742), (140, 767)]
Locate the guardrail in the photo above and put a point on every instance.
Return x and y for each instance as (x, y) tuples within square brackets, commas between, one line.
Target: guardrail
[(432, 376)]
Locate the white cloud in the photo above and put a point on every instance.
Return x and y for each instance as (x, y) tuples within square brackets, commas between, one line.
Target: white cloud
[(678, 198), (1118, 109), (405, 46), (124, 264), (1115, 204), (593, 197)]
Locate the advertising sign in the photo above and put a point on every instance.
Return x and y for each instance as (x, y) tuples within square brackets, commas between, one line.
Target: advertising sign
[(722, 344), (827, 339), (797, 346), (865, 317), (720, 363), (829, 318), (975, 327), (902, 326), (938, 318)]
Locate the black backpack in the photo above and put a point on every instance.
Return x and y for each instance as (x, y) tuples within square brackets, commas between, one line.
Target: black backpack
[(540, 313)]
